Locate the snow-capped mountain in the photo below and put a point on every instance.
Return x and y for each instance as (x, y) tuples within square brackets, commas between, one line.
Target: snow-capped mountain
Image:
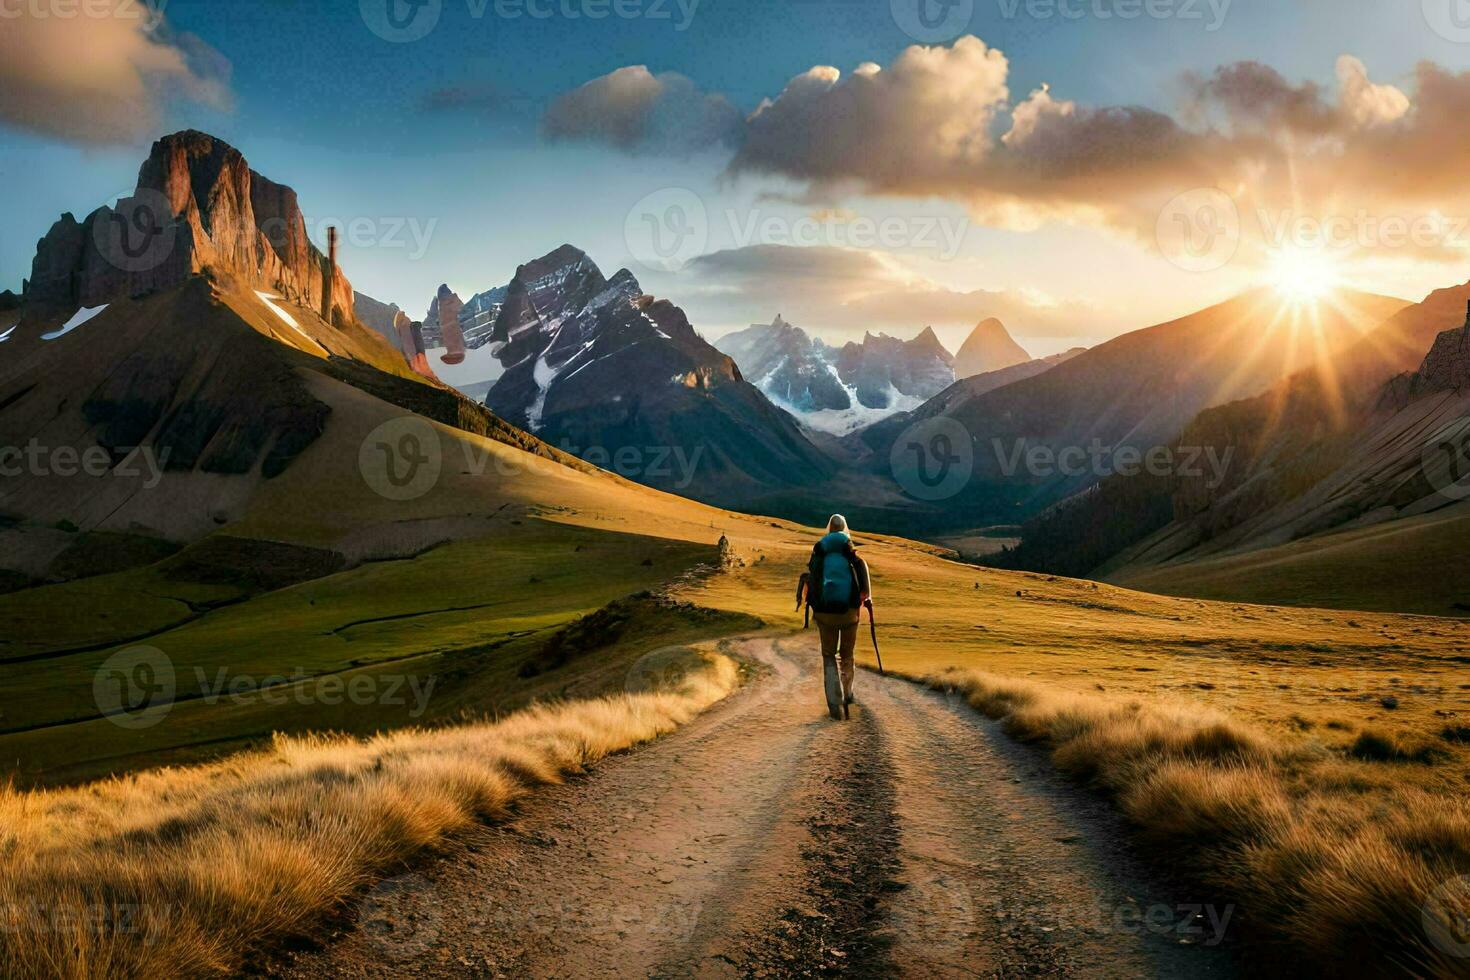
[(792, 368), (840, 390), (888, 373), (478, 317), (595, 367)]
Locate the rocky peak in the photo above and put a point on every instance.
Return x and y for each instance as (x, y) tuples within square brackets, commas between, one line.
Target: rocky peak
[(1445, 368), (928, 338), (989, 347), (197, 208)]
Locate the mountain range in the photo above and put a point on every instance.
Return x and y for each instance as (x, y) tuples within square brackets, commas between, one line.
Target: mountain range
[(837, 390), (196, 323)]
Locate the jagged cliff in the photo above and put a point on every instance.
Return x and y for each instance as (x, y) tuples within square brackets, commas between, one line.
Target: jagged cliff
[(197, 208)]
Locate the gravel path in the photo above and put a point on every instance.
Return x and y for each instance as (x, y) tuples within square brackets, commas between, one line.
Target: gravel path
[(764, 839)]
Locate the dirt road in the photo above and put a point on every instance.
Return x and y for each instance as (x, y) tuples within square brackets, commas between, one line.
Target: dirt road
[(766, 840)]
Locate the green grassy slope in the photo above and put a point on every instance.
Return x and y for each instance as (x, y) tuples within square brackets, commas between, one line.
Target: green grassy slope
[(383, 644), (1399, 566)]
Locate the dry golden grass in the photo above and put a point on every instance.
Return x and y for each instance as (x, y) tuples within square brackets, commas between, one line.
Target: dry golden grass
[(1328, 856), (182, 872)]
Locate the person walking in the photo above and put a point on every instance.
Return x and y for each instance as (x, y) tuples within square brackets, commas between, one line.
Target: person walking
[(838, 588)]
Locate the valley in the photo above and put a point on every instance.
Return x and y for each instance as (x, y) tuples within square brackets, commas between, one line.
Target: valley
[(261, 552)]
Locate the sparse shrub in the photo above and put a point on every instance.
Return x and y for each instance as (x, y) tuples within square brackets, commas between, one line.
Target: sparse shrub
[(1389, 701), (1374, 746), (1455, 733)]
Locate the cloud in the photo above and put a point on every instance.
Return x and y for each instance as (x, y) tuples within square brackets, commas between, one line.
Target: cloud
[(1365, 103), (839, 293), (940, 122), (1257, 98), (104, 76), (915, 124), (639, 112)]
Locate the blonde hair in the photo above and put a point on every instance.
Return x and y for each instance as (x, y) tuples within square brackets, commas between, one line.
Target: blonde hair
[(837, 523)]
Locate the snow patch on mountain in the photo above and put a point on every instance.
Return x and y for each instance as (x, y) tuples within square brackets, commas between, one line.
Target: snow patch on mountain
[(78, 318), (842, 421), (288, 319)]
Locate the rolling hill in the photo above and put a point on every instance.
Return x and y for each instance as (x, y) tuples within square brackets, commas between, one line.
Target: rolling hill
[(1339, 476)]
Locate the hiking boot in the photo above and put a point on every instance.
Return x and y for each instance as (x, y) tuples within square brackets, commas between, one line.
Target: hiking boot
[(849, 699)]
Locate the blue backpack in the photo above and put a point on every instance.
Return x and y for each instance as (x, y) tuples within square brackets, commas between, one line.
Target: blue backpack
[(832, 579)]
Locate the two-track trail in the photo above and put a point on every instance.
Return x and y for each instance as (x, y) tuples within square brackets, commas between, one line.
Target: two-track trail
[(764, 839)]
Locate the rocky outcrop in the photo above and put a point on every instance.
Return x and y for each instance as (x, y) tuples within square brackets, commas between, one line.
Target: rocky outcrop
[(989, 347), (411, 342), (442, 321), (198, 208), (377, 315), (1446, 368)]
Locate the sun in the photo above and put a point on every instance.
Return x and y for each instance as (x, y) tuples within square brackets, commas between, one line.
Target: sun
[(1303, 275)]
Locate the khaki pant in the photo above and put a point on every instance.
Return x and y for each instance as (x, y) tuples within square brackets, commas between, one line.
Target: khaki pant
[(839, 632)]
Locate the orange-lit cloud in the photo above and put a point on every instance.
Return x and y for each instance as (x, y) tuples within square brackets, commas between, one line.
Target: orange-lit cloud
[(941, 122), (102, 75)]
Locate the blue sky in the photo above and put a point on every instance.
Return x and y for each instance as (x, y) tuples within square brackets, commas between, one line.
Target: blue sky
[(461, 187)]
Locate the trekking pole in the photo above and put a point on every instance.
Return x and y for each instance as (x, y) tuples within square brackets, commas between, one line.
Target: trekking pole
[(873, 628)]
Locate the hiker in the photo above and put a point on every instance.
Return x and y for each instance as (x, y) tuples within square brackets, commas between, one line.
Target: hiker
[(837, 590)]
